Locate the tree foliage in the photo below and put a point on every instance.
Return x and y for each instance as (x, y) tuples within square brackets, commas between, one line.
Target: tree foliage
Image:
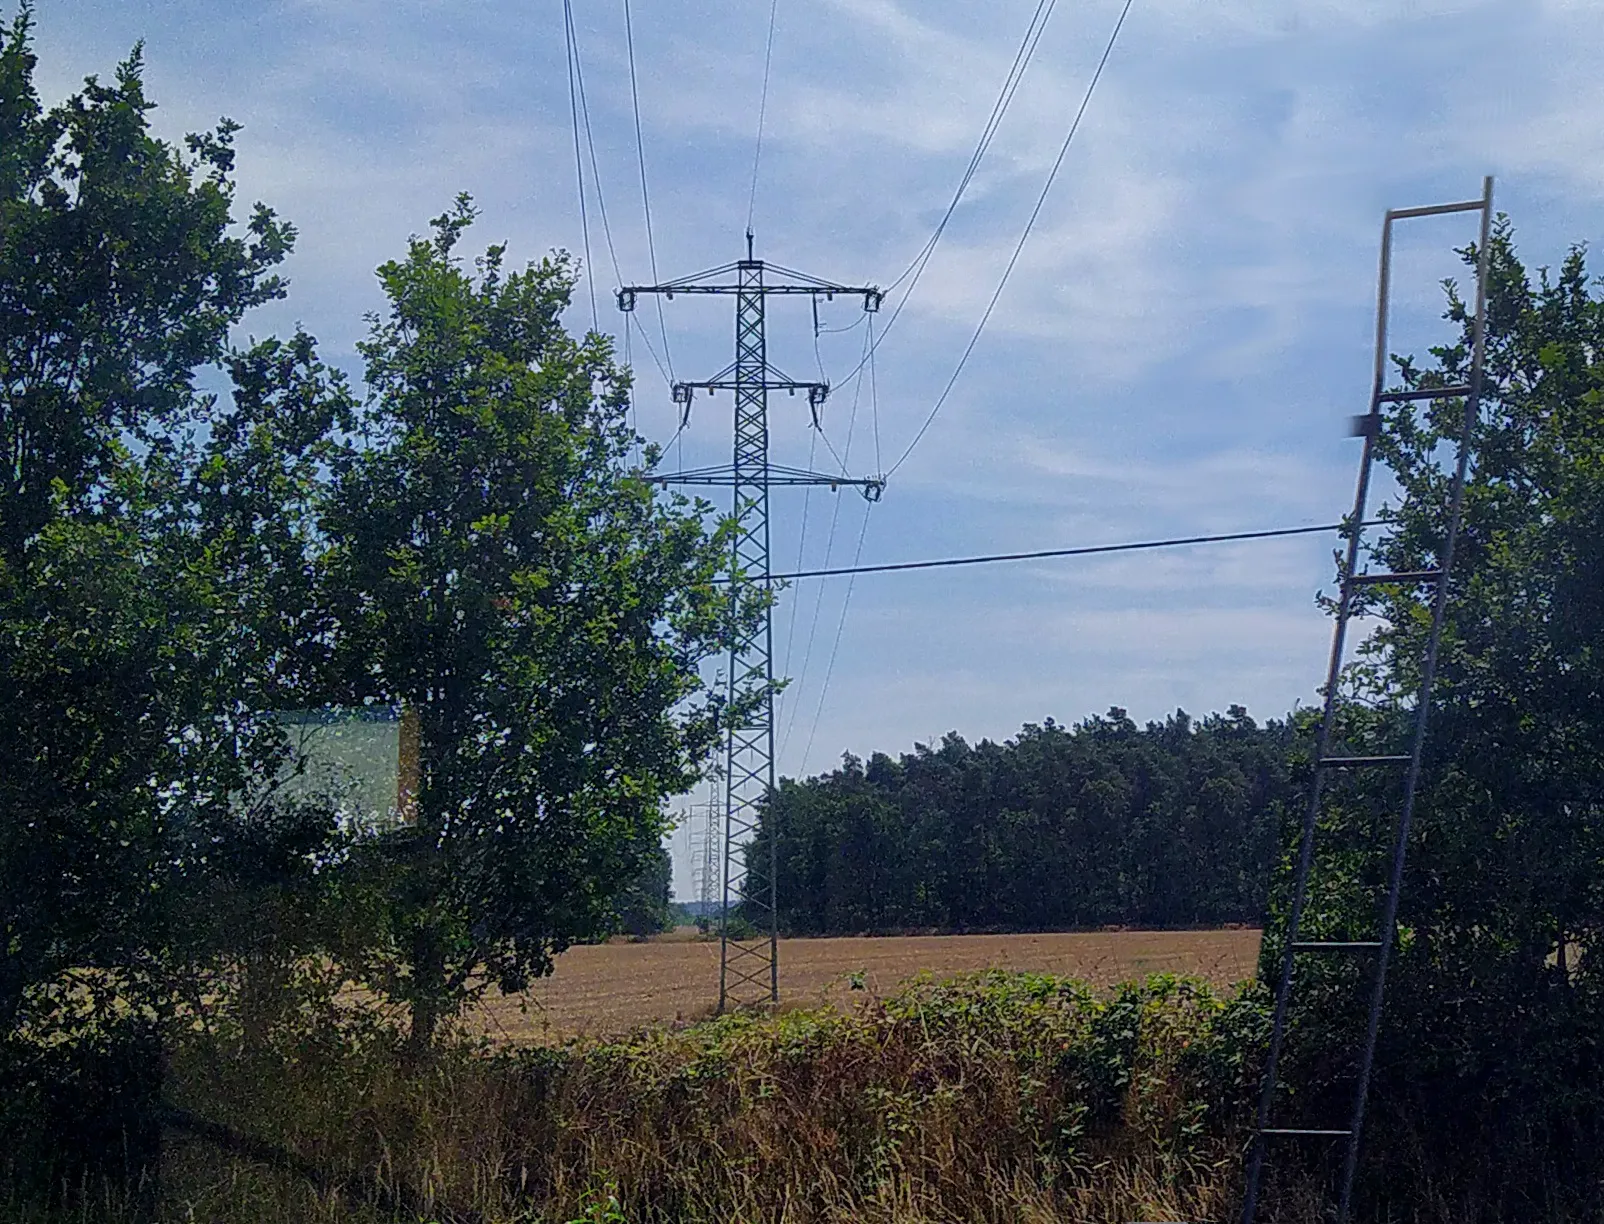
[(153, 605), (645, 906), (499, 565), (123, 651), (1171, 824), (178, 566)]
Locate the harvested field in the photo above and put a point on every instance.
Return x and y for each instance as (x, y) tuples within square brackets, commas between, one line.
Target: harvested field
[(612, 988)]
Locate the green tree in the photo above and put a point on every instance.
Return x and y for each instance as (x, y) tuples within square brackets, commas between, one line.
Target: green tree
[(120, 274), (156, 601), (507, 573), (1171, 824), (645, 905)]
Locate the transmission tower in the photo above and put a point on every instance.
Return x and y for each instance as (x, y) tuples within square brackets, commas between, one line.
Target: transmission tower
[(749, 969), (705, 855)]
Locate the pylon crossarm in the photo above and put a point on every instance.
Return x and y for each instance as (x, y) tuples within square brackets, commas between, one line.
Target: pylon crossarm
[(724, 475), (820, 290), (778, 382)]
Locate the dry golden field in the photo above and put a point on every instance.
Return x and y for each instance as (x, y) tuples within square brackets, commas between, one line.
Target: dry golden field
[(599, 990)]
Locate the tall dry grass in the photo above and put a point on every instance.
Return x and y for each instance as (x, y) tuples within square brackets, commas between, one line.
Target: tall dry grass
[(990, 1098)]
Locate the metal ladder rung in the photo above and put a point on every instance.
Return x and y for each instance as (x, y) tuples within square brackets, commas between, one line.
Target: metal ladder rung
[(1297, 1131), (1343, 945), (1409, 576), (1437, 210), (1427, 393), (1346, 762)]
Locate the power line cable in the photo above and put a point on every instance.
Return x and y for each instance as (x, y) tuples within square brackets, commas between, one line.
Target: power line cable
[(802, 542), (762, 112), (590, 143), (1047, 553), (818, 357), (829, 545), (645, 195), (579, 162), (634, 430), (1023, 238), (813, 628), (840, 463), (835, 647), (857, 392), (631, 321), (841, 331), (1005, 96), (680, 438), (578, 75), (874, 395), (855, 569), (857, 556)]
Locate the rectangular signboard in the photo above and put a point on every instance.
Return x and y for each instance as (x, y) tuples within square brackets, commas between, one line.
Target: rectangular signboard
[(361, 759)]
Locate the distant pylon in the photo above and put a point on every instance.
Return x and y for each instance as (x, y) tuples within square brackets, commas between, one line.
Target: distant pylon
[(706, 853), (749, 966)]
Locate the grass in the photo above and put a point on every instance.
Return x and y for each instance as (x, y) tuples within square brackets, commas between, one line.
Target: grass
[(988, 1098)]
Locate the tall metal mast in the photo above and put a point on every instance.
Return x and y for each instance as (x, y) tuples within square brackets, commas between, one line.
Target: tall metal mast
[(749, 968)]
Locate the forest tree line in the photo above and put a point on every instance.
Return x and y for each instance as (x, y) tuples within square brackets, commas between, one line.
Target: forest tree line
[(1175, 823)]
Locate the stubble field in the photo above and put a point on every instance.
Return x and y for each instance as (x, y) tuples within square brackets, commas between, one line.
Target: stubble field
[(608, 989)]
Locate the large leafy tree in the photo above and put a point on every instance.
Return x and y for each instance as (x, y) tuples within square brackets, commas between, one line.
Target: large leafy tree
[(157, 601), (125, 619), (1489, 1094), (506, 572)]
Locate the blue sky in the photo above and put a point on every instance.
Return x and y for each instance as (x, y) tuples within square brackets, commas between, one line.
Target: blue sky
[(1177, 353)]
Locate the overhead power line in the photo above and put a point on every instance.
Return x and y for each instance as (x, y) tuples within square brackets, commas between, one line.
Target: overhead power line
[(835, 647), (762, 112), (577, 85), (1019, 247), (579, 161), (1044, 554), (829, 545), (645, 195), (801, 554), (999, 108), (1005, 97)]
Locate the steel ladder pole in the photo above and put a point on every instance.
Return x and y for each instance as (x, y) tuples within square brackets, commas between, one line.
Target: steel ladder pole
[(1311, 817), (1423, 710)]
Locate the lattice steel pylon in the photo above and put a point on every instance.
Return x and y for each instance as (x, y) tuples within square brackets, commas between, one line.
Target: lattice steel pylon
[(1368, 427), (707, 855), (749, 968)]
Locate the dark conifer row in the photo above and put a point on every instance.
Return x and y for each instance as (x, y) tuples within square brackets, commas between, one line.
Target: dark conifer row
[(1171, 824)]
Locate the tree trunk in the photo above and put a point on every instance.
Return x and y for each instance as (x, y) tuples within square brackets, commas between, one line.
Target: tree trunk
[(428, 990)]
